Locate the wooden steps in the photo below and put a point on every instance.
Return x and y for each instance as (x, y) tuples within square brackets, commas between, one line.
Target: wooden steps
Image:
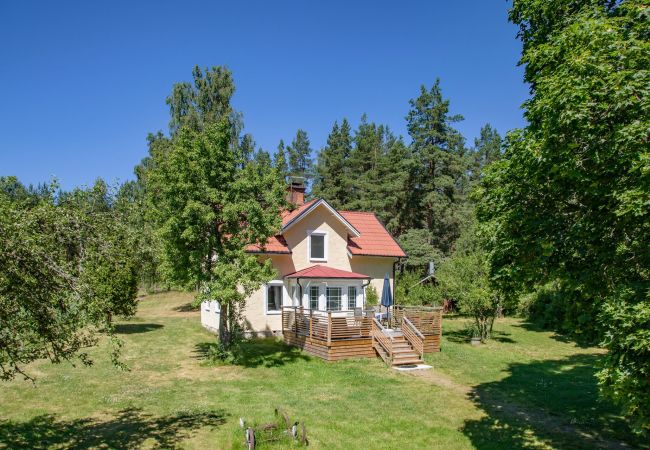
[(401, 350)]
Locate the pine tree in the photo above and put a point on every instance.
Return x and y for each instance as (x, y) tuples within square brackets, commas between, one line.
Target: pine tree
[(247, 147), (487, 149), (331, 180), (280, 161), (262, 158), (437, 179), (300, 163)]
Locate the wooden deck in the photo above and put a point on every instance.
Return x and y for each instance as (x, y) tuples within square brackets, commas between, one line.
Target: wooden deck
[(336, 335)]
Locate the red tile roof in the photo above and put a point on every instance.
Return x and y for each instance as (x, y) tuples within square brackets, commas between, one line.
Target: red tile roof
[(319, 271), (375, 240), (288, 216), (274, 244)]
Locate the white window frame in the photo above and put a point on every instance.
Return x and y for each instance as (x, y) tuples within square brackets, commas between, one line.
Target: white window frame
[(266, 297), (325, 242), (309, 296), (354, 300), (340, 298)]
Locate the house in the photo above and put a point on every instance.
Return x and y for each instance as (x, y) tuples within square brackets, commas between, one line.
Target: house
[(325, 261)]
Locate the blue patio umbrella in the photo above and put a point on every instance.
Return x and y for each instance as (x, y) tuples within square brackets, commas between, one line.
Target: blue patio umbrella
[(386, 295)]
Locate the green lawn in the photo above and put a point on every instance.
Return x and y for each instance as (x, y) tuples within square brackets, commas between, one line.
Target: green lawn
[(526, 388)]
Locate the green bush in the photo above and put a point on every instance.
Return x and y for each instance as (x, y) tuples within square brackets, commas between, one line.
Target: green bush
[(372, 298), (409, 290), (553, 306)]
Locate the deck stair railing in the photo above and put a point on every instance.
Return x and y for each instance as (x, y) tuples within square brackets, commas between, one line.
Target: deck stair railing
[(382, 342), (413, 336), (427, 319)]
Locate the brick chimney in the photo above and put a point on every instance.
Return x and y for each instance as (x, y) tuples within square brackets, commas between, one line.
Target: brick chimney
[(296, 191)]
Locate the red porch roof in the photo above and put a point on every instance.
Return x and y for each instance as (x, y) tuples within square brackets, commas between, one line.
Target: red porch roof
[(319, 271)]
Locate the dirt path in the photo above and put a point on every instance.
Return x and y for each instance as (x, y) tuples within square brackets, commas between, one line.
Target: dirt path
[(540, 419)]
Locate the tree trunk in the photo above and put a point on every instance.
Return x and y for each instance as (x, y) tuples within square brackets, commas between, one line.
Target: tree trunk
[(224, 332)]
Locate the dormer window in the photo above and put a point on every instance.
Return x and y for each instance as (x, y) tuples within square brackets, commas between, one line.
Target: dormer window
[(317, 246)]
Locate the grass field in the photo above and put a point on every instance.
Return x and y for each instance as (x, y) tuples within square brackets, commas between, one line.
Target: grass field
[(525, 388)]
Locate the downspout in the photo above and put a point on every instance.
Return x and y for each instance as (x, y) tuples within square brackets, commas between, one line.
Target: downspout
[(300, 291), (395, 278), (363, 290)]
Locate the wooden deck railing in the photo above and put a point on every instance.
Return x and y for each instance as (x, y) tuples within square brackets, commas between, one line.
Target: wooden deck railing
[(413, 335), (325, 325), (426, 319)]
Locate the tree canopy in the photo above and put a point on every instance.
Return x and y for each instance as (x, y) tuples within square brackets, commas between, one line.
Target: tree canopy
[(67, 270), (569, 203), (209, 200)]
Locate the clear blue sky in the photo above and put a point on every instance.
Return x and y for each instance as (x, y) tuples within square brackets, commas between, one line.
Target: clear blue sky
[(82, 83)]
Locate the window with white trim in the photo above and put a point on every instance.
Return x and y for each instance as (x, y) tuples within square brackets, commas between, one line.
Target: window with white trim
[(317, 246), (333, 298), (352, 297), (314, 293), (273, 298)]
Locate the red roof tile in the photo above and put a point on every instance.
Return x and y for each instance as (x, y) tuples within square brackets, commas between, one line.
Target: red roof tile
[(274, 244), (319, 271), (288, 216), (375, 240)]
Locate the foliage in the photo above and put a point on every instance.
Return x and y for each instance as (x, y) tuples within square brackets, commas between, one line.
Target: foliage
[(488, 147), (67, 270), (417, 245), (372, 297), (300, 162), (419, 191), (206, 101), (332, 179), (280, 161), (409, 290), (131, 206), (247, 147), (465, 278), (570, 200), (439, 177), (209, 207)]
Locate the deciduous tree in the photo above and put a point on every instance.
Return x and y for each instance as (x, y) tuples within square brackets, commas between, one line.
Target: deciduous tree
[(209, 207), (67, 271), (570, 201)]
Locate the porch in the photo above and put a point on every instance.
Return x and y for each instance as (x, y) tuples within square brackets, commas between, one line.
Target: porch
[(336, 335)]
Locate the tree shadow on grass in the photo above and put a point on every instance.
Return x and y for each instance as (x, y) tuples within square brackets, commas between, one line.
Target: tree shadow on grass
[(268, 352), (129, 429), (187, 307), (555, 402), (462, 336), (557, 335), (134, 328)]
